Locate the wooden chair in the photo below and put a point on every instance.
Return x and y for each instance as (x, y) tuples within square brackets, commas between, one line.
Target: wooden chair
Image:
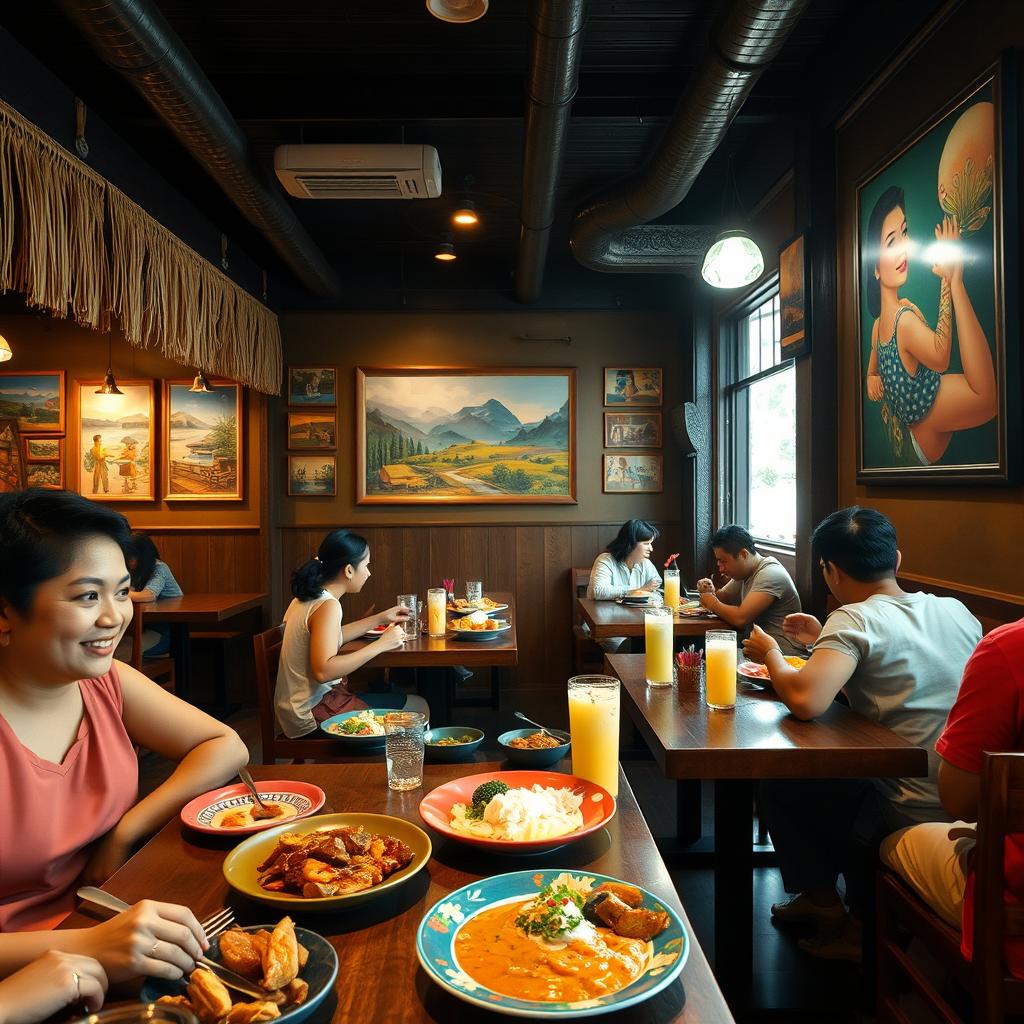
[(160, 670), (994, 994), (586, 655), (267, 649)]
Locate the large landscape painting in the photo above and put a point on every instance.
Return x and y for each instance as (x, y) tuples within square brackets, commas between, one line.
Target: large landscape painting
[(460, 436), (115, 436), (202, 442)]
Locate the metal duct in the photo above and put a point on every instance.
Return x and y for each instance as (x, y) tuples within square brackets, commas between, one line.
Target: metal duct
[(612, 233), (556, 44), (133, 37)]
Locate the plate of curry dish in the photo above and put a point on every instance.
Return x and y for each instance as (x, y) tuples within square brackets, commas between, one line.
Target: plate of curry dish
[(552, 944), (230, 810), (327, 862)]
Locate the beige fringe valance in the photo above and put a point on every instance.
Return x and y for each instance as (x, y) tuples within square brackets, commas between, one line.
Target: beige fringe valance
[(53, 210)]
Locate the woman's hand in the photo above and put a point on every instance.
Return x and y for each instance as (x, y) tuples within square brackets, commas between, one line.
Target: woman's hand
[(949, 261), (397, 614), (155, 940), (391, 639), (801, 628), (49, 984), (107, 856), (876, 391)]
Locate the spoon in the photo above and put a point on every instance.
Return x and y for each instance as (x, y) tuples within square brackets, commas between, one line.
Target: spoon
[(548, 732), (260, 810)]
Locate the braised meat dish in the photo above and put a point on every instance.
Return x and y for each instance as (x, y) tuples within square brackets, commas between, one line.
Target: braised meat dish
[(332, 862)]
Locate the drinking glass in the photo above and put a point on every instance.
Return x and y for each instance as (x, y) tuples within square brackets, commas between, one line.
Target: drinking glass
[(403, 748), (672, 589), (594, 729), (658, 646), (720, 669), (411, 624), (437, 599), (474, 590)]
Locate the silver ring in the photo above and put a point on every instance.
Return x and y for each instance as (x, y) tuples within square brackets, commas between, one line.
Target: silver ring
[(152, 952), (78, 985)]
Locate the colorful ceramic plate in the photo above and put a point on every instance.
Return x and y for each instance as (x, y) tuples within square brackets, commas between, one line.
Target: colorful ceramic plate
[(319, 973), (203, 812), (359, 743), (478, 635), (598, 808), (435, 947), (240, 864)]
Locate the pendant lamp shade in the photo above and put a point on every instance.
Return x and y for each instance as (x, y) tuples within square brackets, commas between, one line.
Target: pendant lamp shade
[(732, 261), (5, 350), (201, 385)]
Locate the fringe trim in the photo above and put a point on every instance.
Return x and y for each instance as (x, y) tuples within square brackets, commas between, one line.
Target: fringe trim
[(53, 210)]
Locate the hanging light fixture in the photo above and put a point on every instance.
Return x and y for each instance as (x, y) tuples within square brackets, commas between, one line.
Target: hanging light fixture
[(201, 385), (734, 258), (445, 252), (5, 350), (458, 11), (109, 385), (466, 216)]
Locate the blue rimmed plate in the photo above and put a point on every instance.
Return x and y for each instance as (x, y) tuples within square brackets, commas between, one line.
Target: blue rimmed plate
[(319, 973), (435, 948), (363, 743), (479, 635)]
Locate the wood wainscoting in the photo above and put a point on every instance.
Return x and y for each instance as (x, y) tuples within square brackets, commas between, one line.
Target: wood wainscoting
[(990, 607), (215, 561), (531, 561)]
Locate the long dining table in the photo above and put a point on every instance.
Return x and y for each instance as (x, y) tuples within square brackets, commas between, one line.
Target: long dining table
[(380, 978), (609, 618), (759, 739)]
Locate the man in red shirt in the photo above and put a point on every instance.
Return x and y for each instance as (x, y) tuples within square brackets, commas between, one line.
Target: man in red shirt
[(988, 715)]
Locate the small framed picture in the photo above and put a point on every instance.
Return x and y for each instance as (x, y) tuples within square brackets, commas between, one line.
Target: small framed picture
[(313, 475), (316, 430), (633, 474), (793, 291), (632, 430), (44, 449), (312, 385), (632, 385), (35, 398), (45, 474)]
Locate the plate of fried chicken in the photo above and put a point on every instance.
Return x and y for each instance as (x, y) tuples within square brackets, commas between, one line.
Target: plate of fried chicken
[(327, 862)]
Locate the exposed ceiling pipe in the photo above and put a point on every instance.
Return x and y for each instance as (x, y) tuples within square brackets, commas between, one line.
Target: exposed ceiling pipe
[(556, 44), (612, 233), (134, 38)]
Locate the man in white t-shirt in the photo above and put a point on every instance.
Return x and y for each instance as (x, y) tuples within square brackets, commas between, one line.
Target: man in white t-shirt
[(898, 657), (759, 588)]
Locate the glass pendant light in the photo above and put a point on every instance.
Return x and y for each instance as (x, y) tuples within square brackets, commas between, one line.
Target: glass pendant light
[(732, 261)]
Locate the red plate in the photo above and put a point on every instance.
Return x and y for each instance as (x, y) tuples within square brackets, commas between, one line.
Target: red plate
[(200, 813), (376, 631), (598, 808), (752, 670)]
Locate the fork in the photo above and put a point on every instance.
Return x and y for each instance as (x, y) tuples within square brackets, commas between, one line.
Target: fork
[(216, 923)]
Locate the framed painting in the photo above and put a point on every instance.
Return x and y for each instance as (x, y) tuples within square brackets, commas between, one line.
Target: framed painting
[(44, 449), (313, 475), (312, 385), (632, 430), (12, 468), (116, 438), (633, 474), (465, 436), (35, 398), (794, 289), (45, 474), (937, 319), (202, 442), (312, 430), (636, 385)]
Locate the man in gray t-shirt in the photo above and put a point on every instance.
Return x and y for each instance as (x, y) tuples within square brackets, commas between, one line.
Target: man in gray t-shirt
[(759, 589)]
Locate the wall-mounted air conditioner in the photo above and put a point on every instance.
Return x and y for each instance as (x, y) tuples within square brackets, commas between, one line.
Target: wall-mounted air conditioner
[(359, 172)]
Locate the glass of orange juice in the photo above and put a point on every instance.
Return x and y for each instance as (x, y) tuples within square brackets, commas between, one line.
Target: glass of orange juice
[(658, 646), (672, 589), (594, 729), (720, 669), (437, 599)]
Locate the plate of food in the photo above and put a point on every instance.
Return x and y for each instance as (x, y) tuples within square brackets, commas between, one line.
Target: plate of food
[(517, 812), (694, 609), (362, 730), (460, 606), (377, 630), (635, 597), (582, 944), (328, 862), (230, 809), (477, 626), (754, 670), (294, 965)]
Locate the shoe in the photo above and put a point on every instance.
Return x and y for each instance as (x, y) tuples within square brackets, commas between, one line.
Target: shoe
[(800, 909), (844, 944)]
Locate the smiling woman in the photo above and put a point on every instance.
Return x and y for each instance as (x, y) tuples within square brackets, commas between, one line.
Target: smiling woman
[(69, 718)]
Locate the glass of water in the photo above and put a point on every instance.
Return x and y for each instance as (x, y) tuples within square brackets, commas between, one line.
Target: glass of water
[(403, 749), (474, 590), (411, 624)]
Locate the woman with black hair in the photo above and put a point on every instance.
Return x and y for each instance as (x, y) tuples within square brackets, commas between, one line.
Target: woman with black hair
[(311, 684), (70, 717), (152, 580)]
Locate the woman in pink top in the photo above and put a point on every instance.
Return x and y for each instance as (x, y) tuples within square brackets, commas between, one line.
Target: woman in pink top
[(69, 716)]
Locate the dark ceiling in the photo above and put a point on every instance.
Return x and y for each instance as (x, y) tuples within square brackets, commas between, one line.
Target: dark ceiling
[(386, 71)]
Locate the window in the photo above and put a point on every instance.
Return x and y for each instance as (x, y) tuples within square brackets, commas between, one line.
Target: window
[(759, 414)]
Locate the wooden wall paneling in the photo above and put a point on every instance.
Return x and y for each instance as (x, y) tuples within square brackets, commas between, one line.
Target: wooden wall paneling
[(502, 560), (529, 607), (414, 544), (444, 556), (473, 562), (557, 613), (586, 543)]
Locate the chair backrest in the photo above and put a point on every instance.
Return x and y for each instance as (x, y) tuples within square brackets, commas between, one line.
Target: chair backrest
[(137, 628), (579, 580), (267, 649)]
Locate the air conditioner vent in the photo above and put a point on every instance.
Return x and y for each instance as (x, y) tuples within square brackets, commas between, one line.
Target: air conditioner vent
[(359, 172)]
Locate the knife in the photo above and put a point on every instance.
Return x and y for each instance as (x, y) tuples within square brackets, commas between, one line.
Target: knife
[(91, 894)]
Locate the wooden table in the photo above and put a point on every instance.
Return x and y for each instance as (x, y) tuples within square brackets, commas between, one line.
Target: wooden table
[(609, 618), (194, 610), (380, 979), (760, 739)]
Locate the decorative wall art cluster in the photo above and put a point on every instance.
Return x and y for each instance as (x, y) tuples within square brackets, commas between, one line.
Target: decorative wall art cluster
[(312, 431), (31, 429), (638, 388)]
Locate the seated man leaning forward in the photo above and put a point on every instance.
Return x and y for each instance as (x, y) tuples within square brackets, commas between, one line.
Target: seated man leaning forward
[(899, 658), (935, 858), (759, 588)]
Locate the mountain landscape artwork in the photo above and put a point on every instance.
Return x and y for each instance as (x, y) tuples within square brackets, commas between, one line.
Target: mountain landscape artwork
[(202, 442), (116, 441), (462, 436), (35, 398)]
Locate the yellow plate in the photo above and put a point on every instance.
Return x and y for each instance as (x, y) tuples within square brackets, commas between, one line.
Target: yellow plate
[(240, 864)]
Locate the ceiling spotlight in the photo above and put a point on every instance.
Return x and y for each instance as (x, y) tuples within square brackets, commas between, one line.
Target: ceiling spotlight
[(445, 252), (5, 350), (458, 11), (201, 385), (732, 261), (466, 216)]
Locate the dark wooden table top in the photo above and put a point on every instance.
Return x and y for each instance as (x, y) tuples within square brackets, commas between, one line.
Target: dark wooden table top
[(609, 618), (446, 651), (196, 608), (380, 978), (760, 739)]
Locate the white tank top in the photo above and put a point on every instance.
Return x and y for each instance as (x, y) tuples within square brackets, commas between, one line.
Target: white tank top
[(296, 693)]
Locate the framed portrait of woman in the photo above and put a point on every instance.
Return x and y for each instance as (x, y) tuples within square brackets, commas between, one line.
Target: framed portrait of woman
[(936, 226)]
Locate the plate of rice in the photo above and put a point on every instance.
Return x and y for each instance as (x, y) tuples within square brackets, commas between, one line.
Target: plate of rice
[(517, 812), (363, 730)]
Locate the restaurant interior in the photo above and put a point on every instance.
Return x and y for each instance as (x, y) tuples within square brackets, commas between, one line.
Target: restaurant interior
[(461, 277)]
